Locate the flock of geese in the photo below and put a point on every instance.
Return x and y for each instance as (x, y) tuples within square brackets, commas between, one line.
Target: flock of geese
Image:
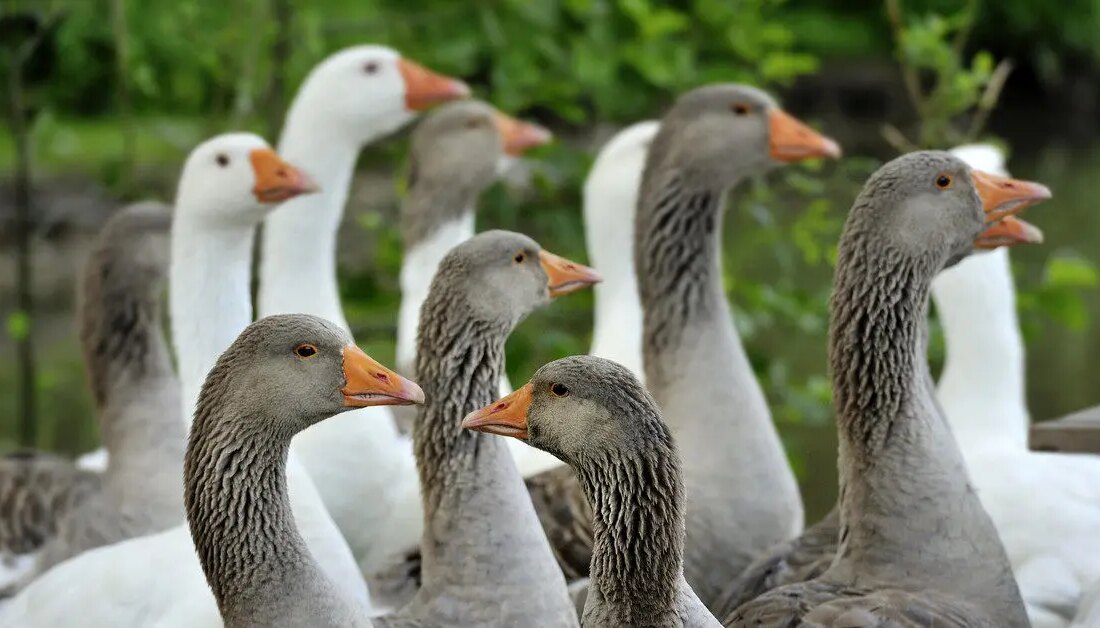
[(279, 476)]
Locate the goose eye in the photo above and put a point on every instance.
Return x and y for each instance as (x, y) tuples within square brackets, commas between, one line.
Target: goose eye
[(944, 180), (559, 390), (371, 67), (305, 350), (519, 257), (739, 108), (222, 159), (473, 123)]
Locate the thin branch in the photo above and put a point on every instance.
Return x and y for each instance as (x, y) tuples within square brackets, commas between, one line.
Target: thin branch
[(990, 96), (894, 137)]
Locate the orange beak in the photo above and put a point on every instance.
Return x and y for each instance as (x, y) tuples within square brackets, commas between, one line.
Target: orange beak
[(368, 383), (791, 140), (505, 417), (519, 137), (1009, 232), (276, 180), (564, 276), (424, 88), (1002, 196)]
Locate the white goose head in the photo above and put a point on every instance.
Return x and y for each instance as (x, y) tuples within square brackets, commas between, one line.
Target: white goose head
[(234, 179), (368, 91)]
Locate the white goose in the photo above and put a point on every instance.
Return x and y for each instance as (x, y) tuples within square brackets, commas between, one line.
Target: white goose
[(362, 468), (1052, 542), (227, 185)]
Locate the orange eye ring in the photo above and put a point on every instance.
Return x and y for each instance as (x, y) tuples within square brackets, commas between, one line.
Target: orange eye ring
[(305, 351), (944, 181)]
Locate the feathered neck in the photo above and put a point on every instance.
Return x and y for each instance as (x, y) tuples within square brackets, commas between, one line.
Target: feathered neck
[(637, 502)]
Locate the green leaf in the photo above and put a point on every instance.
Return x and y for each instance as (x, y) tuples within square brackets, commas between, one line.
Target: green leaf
[(19, 325), (1070, 272)]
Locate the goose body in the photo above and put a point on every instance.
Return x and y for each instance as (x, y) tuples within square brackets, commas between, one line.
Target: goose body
[(483, 288), (227, 186), (1052, 544), (916, 547)]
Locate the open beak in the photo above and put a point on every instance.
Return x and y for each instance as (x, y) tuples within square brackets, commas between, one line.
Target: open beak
[(564, 276), (791, 140), (1002, 196), (368, 383), (1009, 231), (424, 88), (504, 417), (519, 137), (276, 180)]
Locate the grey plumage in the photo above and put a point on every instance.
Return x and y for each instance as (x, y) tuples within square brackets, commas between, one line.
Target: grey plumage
[(136, 393), (696, 368), (37, 489), (255, 399), (469, 484), (796, 560), (608, 429), (916, 548)]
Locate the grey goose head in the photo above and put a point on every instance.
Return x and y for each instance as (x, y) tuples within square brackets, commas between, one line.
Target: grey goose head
[(720, 133), (576, 408), (931, 205), (502, 276), (456, 152), (133, 244), (296, 370)]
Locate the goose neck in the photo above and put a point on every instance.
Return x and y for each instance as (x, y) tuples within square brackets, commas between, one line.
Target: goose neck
[(209, 298), (901, 473), (298, 267), (678, 260), (637, 502), (239, 512)]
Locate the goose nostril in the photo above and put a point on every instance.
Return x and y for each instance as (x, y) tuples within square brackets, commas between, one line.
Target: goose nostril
[(382, 377), (281, 173)]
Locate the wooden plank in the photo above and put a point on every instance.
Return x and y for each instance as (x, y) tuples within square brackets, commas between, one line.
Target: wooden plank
[(1075, 433)]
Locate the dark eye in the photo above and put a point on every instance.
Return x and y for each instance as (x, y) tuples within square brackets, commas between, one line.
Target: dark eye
[(370, 67), (519, 257), (222, 159), (473, 123), (944, 180), (305, 350), (559, 390), (739, 108)]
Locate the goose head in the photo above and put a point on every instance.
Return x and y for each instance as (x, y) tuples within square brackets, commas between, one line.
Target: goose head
[(720, 133), (297, 369), (575, 408), (364, 92), (235, 179), (938, 209), (136, 240), (467, 144), (502, 276)]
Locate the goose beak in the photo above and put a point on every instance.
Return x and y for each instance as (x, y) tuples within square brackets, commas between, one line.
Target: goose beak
[(1008, 232), (1002, 196), (791, 140), (368, 383), (504, 417), (564, 276), (424, 88), (519, 137), (276, 180)]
